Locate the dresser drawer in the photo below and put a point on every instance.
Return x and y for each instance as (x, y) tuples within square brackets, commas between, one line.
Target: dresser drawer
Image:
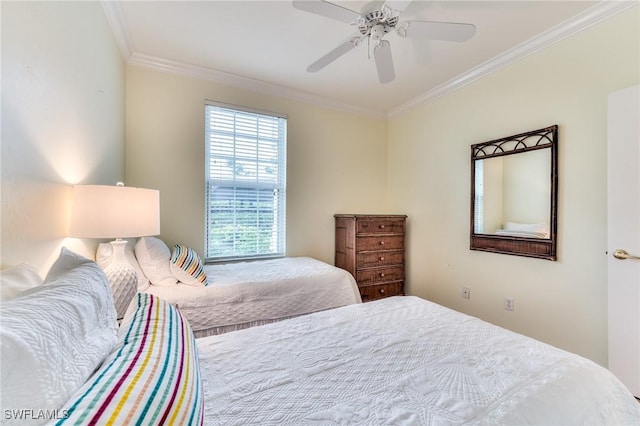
[(380, 226), (381, 258), (378, 275), (379, 242), (373, 292)]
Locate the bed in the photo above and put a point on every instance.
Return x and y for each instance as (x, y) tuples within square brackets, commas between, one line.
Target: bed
[(218, 298), (399, 361), (247, 294), (402, 360)]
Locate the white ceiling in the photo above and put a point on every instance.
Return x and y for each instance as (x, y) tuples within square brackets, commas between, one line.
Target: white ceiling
[(267, 45)]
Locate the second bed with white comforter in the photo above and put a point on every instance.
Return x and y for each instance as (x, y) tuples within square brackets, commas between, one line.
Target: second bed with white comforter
[(245, 294)]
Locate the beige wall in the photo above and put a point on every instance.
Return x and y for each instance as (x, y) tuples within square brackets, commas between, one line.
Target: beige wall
[(565, 302), (336, 162), (62, 121)]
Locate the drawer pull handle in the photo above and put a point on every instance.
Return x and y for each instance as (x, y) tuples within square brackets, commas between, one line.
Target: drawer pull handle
[(381, 243), (381, 226), (381, 259), (382, 274), (382, 291)]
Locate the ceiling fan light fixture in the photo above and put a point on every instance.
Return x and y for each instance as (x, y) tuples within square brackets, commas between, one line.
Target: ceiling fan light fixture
[(377, 32)]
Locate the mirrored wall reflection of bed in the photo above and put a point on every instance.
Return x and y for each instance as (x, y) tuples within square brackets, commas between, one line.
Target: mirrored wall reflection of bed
[(514, 194)]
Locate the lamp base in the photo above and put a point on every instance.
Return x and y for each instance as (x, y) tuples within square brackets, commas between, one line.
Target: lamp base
[(122, 278)]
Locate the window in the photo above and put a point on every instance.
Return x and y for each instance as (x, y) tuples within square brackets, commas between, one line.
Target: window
[(245, 183)]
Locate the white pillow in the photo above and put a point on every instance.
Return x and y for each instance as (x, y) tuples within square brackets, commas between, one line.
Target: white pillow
[(17, 279), (527, 227), (104, 255), (53, 337), (154, 256)]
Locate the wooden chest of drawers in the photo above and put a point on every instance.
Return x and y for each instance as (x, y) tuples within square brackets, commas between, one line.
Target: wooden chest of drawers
[(371, 248)]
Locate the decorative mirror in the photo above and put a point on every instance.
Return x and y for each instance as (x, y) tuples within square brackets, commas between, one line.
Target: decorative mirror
[(514, 194)]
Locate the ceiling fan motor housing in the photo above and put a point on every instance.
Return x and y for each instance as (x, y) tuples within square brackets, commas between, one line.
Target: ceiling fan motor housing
[(377, 22)]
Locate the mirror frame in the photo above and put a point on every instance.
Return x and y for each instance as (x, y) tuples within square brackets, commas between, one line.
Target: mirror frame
[(546, 138)]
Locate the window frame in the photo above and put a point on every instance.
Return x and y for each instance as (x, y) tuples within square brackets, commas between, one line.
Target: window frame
[(279, 187)]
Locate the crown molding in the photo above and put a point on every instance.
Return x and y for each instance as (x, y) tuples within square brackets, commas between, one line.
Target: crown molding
[(592, 16), (215, 76), (117, 21), (118, 25)]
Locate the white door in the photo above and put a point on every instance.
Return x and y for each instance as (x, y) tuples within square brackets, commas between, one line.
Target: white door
[(623, 189)]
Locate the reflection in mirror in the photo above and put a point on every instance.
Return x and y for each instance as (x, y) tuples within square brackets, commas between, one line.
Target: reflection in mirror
[(514, 194)]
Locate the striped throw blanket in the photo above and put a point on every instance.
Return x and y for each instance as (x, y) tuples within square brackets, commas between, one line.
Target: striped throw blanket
[(151, 378)]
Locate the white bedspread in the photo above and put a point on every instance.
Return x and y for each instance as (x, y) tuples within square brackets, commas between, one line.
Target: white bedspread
[(401, 361), (252, 293)]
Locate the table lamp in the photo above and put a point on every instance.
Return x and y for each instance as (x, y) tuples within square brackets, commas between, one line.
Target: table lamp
[(102, 211)]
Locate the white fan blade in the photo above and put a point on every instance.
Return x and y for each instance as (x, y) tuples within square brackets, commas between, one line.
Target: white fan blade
[(371, 5), (334, 54), (448, 31), (327, 9), (384, 62), (398, 5)]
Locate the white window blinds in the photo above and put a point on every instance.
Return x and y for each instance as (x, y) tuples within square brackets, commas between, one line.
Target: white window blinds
[(245, 183)]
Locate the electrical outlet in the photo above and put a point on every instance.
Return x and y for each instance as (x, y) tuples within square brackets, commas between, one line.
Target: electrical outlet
[(466, 292), (508, 303)]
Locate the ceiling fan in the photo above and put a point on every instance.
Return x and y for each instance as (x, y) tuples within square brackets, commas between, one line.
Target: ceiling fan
[(374, 22)]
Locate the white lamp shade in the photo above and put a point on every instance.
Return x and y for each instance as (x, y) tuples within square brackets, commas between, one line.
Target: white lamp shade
[(101, 211)]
